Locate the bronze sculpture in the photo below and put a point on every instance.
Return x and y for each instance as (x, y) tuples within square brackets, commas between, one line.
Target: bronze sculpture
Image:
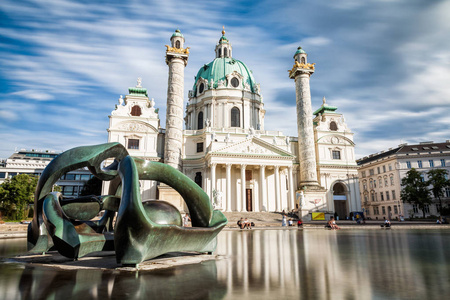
[(141, 231)]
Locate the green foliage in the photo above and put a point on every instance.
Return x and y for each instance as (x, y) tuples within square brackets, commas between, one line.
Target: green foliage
[(415, 191), (437, 179), (16, 194), (92, 187)]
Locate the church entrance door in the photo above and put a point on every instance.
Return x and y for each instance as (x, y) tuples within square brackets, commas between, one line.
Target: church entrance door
[(249, 199), (340, 200)]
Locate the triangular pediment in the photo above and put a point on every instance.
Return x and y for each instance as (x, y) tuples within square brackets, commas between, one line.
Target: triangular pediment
[(253, 146)]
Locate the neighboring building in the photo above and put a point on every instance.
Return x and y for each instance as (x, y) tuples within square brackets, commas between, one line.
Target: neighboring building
[(225, 148), (380, 177), (33, 162)]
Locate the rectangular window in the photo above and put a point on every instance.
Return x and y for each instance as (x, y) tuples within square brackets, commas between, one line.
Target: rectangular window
[(85, 177), (384, 169), (376, 197), (2, 174), (395, 209), (387, 196), (382, 196), (372, 196), (12, 174), (419, 163), (70, 177), (447, 192), (390, 167), (415, 209), (422, 177), (378, 169), (431, 163), (442, 162), (336, 154), (383, 209), (363, 174), (133, 144), (392, 180), (199, 147), (371, 171), (393, 194), (426, 208), (408, 164)]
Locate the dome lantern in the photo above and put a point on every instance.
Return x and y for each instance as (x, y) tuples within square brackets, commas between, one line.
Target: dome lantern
[(223, 47)]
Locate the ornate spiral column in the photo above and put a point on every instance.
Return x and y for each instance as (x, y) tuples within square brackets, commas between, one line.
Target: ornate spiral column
[(301, 72), (176, 59)]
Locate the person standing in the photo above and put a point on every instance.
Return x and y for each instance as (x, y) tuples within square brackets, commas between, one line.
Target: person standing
[(186, 220), (283, 220)]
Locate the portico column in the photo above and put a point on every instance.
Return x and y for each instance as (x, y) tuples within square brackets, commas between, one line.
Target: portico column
[(243, 206), (213, 180), (228, 201), (262, 180), (277, 188), (291, 189)]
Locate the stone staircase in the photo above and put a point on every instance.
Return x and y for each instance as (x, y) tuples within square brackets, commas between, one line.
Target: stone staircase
[(266, 219)]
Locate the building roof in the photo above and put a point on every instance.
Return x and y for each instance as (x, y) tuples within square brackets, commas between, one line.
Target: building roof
[(422, 148), (299, 50), (220, 67), (177, 33)]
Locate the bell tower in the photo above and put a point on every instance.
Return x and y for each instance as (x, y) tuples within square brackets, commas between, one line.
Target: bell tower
[(176, 58)]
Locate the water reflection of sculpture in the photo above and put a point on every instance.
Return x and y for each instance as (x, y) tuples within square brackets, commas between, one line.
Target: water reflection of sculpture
[(141, 230), (43, 283)]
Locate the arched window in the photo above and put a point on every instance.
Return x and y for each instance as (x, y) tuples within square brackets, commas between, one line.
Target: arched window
[(177, 44), (220, 52), (225, 52), (235, 117), (136, 111), (200, 120), (333, 126), (302, 60)]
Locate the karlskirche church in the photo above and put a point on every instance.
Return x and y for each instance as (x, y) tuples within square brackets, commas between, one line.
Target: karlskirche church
[(220, 142)]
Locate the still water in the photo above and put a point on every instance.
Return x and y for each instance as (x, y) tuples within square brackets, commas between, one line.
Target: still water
[(263, 264)]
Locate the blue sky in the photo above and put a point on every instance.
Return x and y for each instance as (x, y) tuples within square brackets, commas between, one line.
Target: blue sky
[(63, 64)]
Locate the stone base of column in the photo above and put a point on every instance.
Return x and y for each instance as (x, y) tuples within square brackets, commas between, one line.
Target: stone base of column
[(168, 194), (314, 200)]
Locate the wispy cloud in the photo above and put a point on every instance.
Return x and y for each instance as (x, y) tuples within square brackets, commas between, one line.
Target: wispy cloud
[(64, 63)]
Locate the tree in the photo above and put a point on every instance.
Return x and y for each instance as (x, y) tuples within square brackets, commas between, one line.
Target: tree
[(16, 194), (415, 190), (437, 178)]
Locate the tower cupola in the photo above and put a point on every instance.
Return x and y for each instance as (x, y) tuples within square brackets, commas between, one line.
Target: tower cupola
[(177, 40), (223, 47), (301, 56)]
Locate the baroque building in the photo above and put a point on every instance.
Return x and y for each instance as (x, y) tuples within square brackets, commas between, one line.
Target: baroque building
[(220, 141), (381, 175)]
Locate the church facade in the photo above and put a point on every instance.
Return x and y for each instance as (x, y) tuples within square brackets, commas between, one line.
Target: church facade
[(219, 140)]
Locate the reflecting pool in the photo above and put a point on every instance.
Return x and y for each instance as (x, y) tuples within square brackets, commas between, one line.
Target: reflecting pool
[(267, 264)]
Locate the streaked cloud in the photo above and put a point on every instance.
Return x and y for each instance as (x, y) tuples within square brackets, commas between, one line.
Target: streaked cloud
[(64, 63)]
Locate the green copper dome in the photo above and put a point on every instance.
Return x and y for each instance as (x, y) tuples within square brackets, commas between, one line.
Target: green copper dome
[(220, 67), (177, 33), (299, 50)]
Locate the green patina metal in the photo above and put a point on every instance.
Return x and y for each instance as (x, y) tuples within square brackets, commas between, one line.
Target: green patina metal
[(325, 108), (220, 67), (137, 91), (141, 231)]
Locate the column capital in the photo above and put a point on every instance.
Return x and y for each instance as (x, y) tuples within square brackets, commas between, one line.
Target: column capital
[(243, 166), (228, 165)]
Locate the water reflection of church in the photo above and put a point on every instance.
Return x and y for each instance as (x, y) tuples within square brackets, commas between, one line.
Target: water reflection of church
[(224, 146)]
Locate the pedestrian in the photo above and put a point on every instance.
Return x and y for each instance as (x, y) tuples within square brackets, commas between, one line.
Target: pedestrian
[(283, 221), (186, 220)]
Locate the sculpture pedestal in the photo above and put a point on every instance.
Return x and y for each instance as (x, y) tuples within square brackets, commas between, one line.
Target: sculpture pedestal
[(168, 194), (314, 200)]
